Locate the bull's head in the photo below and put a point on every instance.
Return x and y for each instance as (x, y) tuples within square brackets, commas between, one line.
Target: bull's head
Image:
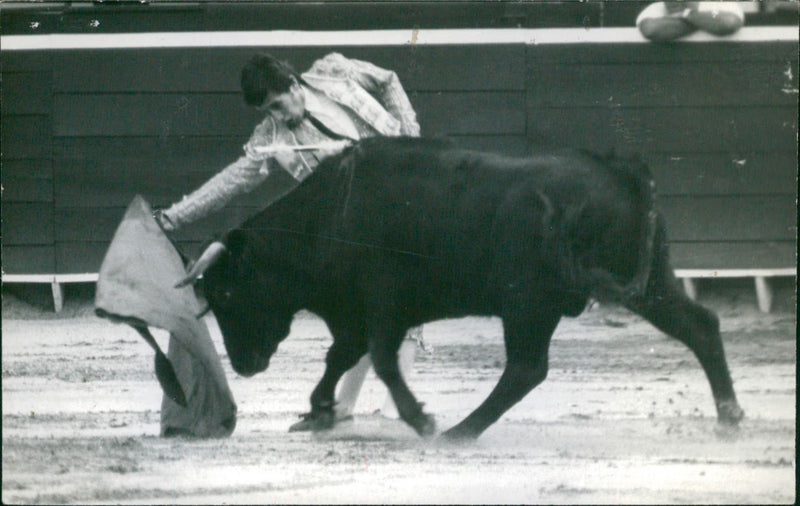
[(245, 300)]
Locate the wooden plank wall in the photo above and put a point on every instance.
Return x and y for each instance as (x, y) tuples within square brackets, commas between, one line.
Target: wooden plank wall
[(85, 130), (28, 235), (717, 122)]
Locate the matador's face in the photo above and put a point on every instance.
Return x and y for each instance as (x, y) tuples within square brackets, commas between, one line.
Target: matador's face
[(288, 107)]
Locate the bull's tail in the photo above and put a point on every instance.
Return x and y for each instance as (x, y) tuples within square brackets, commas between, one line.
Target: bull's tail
[(598, 282)]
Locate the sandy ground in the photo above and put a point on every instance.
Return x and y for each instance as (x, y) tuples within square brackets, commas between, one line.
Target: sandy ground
[(625, 416)]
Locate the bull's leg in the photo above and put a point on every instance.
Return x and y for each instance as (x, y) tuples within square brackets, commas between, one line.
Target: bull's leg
[(667, 307), (384, 360), (527, 338), (342, 355)]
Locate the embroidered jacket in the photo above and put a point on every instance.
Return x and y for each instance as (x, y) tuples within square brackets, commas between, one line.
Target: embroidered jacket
[(372, 97)]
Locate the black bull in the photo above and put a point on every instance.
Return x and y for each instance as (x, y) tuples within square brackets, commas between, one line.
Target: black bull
[(397, 232)]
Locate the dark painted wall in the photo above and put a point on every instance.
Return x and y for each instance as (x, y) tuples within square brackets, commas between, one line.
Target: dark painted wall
[(85, 130), (717, 122)]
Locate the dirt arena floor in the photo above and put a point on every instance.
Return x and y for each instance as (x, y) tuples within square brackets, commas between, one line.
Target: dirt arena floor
[(625, 416)]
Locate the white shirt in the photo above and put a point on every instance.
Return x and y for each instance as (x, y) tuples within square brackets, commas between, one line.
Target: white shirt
[(330, 114)]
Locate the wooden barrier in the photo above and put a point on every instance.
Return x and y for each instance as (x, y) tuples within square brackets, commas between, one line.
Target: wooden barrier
[(91, 120), (761, 279)]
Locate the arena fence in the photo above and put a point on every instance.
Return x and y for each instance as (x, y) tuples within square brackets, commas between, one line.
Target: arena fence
[(89, 120)]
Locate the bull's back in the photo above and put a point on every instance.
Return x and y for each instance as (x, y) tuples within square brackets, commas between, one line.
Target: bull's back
[(422, 216), (447, 224)]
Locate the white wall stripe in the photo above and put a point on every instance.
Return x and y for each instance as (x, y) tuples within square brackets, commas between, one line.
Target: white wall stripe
[(282, 38)]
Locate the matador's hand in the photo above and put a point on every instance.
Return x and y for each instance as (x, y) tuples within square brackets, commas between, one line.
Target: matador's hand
[(163, 220)]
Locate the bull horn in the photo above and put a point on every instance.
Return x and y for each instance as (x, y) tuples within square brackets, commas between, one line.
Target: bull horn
[(206, 260)]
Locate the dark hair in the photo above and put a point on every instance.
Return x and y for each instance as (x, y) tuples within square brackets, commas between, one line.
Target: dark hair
[(265, 74)]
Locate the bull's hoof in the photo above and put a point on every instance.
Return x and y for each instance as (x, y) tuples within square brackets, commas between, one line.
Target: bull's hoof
[(424, 424), (729, 413), (314, 421), (459, 435)]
